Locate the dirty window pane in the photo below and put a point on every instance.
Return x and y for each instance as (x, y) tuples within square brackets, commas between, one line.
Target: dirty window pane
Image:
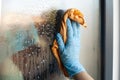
[(27, 32)]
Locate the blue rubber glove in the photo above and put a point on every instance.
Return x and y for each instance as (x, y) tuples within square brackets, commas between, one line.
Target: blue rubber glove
[(70, 51)]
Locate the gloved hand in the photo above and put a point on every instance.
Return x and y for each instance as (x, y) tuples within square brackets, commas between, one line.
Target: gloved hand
[(69, 52)]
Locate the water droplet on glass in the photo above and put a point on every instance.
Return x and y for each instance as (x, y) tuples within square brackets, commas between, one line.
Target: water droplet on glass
[(38, 66), (38, 77), (26, 65), (29, 54), (29, 72)]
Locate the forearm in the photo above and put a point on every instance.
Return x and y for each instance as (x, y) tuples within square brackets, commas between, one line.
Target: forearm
[(82, 76)]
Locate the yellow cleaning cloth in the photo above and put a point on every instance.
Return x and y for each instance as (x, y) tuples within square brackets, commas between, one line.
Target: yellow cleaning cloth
[(75, 15)]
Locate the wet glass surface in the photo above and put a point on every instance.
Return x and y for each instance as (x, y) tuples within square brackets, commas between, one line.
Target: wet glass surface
[(35, 61)]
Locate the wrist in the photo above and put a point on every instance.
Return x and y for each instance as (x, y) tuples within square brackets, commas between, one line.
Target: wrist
[(74, 69)]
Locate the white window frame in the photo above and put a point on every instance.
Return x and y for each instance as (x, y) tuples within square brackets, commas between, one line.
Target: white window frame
[(119, 40), (116, 40)]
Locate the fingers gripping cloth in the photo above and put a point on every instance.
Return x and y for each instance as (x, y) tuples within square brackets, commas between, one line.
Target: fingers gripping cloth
[(74, 15)]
